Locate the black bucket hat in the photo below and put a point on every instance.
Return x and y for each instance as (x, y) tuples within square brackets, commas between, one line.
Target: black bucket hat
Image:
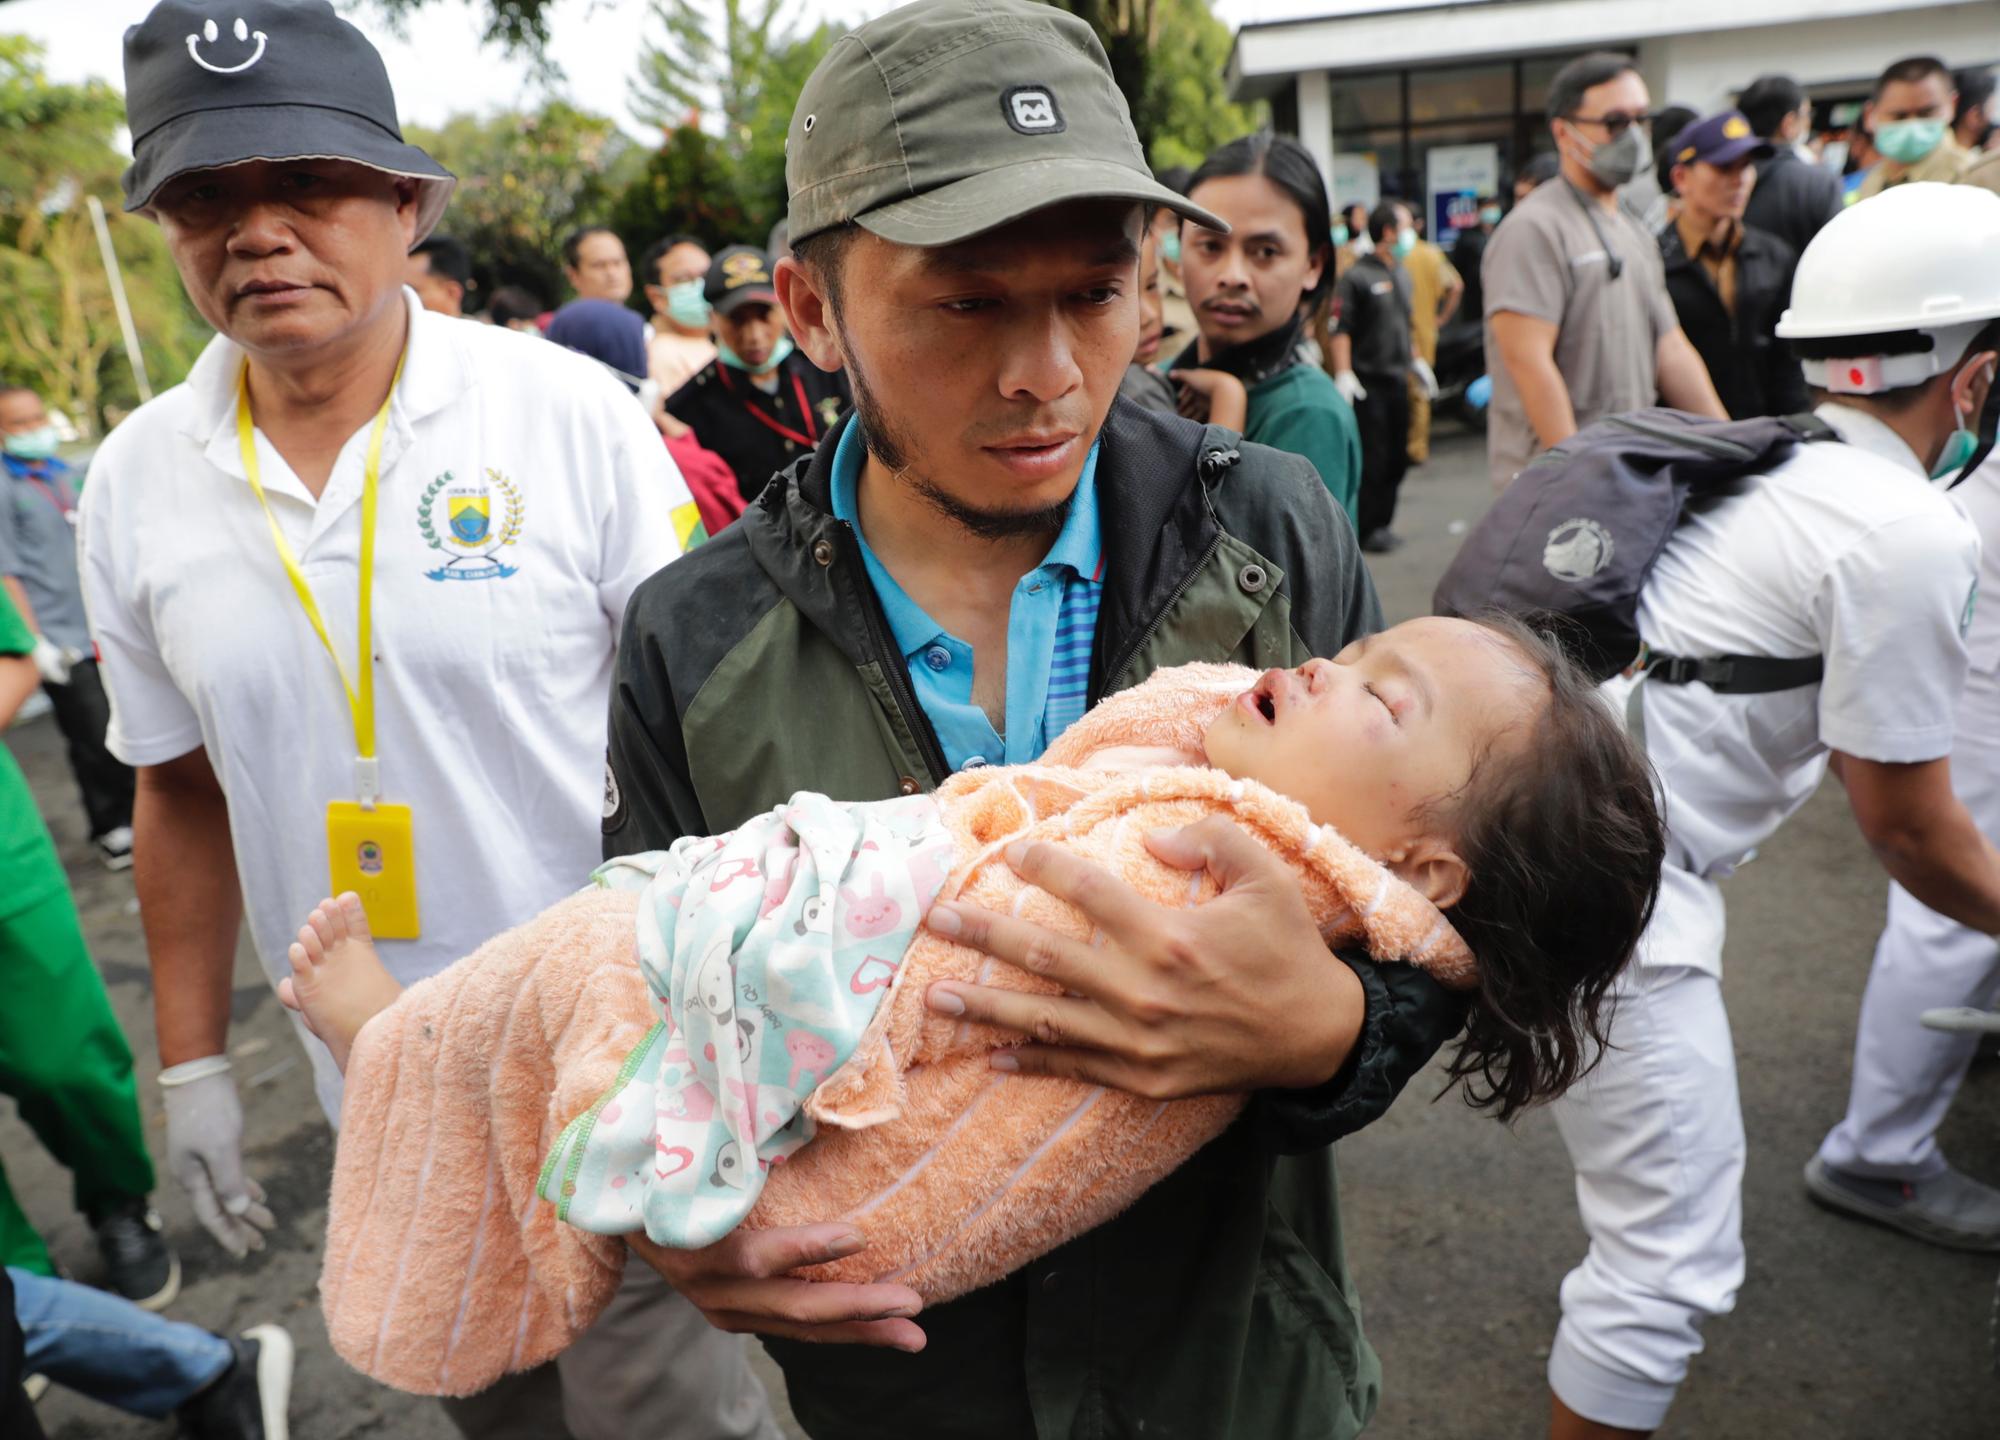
[(212, 83)]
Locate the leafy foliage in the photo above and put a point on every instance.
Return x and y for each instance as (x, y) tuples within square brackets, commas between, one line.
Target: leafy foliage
[(744, 76), (525, 179), (59, 330), (1182, 110), (688, 186)]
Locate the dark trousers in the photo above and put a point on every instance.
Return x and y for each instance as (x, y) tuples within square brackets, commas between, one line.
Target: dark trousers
[(1383, 416), (83, 714)]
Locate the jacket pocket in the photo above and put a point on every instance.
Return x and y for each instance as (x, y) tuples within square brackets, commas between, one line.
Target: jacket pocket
[(1321, 1376)]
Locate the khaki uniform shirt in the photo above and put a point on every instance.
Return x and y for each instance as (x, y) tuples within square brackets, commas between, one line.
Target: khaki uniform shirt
[(1943, 163), (1431, 274), (1547, 260)]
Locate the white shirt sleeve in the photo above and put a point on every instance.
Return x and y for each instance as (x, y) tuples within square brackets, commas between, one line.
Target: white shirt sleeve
[(151, 720), (1891, 613), (651, 510)]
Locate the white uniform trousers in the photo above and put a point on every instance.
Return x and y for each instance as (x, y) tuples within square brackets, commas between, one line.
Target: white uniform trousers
[(1904, 1075), (1655, 1132)]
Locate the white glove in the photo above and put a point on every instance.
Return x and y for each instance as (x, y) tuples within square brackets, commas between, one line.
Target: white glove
[(1349, 384), (205, 1153), (1426, 376), (52, 662)]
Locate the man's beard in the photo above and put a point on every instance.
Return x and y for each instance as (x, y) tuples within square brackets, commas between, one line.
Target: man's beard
[(891, 447)]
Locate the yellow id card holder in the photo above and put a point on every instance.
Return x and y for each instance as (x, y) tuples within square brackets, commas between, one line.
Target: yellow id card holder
[(373, 853)]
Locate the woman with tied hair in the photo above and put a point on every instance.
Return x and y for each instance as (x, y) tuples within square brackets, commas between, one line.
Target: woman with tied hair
[(615, 337)]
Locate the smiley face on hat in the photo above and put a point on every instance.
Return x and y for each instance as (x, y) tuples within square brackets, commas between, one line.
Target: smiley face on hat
[(211, 32), (215, 83)]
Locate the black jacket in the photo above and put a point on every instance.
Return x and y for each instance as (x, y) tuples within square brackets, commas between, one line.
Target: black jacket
[(1792, 199), (1754, 372), (757, 435), (1218, 1305)]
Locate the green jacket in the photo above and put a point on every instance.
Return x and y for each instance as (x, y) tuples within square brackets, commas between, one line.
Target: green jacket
[(1298, 410), (1219, 1304)]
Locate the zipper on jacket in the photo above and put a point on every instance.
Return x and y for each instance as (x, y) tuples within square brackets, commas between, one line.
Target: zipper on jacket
[(899, 677)]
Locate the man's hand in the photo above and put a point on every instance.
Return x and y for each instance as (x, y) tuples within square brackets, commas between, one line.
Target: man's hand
[(205, 1153), (742, 1284), (1238, 994)]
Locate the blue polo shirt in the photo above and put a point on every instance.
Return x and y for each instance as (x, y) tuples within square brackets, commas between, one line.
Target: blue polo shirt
[(1051, 626)]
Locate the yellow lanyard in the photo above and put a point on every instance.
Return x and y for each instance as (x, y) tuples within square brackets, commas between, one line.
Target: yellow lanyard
[(360, 691)]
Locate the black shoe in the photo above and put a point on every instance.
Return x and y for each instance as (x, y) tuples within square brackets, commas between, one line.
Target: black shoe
[(114, 848), (251, 1400), (138, 1262), (1380, 541)]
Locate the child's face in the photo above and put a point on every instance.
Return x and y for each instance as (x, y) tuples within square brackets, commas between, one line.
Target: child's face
[(1373, 738), (1152, 316)]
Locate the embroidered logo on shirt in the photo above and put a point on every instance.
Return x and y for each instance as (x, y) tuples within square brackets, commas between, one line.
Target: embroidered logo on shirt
[(474, 530)]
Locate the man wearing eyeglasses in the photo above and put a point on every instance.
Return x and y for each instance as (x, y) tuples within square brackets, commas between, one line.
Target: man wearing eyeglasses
[(1578, 321)]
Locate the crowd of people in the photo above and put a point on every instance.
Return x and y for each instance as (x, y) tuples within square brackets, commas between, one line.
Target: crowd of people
[(438, 602)]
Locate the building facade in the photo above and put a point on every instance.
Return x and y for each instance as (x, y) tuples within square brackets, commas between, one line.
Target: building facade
[(1436, 103)]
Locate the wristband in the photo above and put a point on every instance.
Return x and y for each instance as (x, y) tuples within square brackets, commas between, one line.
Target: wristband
[(189, 1071)]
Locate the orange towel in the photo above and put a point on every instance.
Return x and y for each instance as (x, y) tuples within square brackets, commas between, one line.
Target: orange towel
[(442, 1270)]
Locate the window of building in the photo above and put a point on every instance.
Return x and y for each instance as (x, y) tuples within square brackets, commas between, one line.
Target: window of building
[(1386, 123)]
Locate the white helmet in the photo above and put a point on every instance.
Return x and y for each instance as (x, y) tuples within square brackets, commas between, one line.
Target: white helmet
[(1893, 289)]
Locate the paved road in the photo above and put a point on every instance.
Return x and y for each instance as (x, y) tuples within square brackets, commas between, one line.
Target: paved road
[(1460, 1230)]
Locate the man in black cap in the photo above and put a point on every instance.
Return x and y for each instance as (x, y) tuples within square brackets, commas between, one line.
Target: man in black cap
[(355, 583), (760, 403), (1730, 281), (992, 542)]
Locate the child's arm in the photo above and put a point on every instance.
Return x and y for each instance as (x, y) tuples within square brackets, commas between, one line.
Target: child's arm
[(1213, 395)]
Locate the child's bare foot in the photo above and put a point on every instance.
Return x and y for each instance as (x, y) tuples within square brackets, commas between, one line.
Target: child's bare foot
[(338, 981)]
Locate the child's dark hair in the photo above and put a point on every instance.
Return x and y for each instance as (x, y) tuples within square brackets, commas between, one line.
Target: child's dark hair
[(1562, 836)]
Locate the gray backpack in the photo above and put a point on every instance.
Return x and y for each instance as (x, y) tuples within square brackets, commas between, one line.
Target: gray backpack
[(1581, 528)]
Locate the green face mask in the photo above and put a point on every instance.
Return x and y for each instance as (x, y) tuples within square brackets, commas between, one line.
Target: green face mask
[(1406, 241), (1489, 215), (685, 305), (736, 362), (34, 444), (1908, 141), (1341, 235), (1170, 247), (1959, 448)]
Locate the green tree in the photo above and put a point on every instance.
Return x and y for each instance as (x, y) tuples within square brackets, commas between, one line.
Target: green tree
[(761, 161), (725, 183), (525, 180), (1183, 110), (687, 187), (519, 26), (58, 328), (1168, 57), (696, 68)]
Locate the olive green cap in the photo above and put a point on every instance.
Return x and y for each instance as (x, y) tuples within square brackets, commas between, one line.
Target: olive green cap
[(948, 118)]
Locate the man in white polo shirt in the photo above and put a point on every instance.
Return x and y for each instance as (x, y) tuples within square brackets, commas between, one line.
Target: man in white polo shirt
[(357, 585)]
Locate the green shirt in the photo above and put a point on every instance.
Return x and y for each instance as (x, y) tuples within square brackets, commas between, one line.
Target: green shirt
[(29, 869), (1298, 410)]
